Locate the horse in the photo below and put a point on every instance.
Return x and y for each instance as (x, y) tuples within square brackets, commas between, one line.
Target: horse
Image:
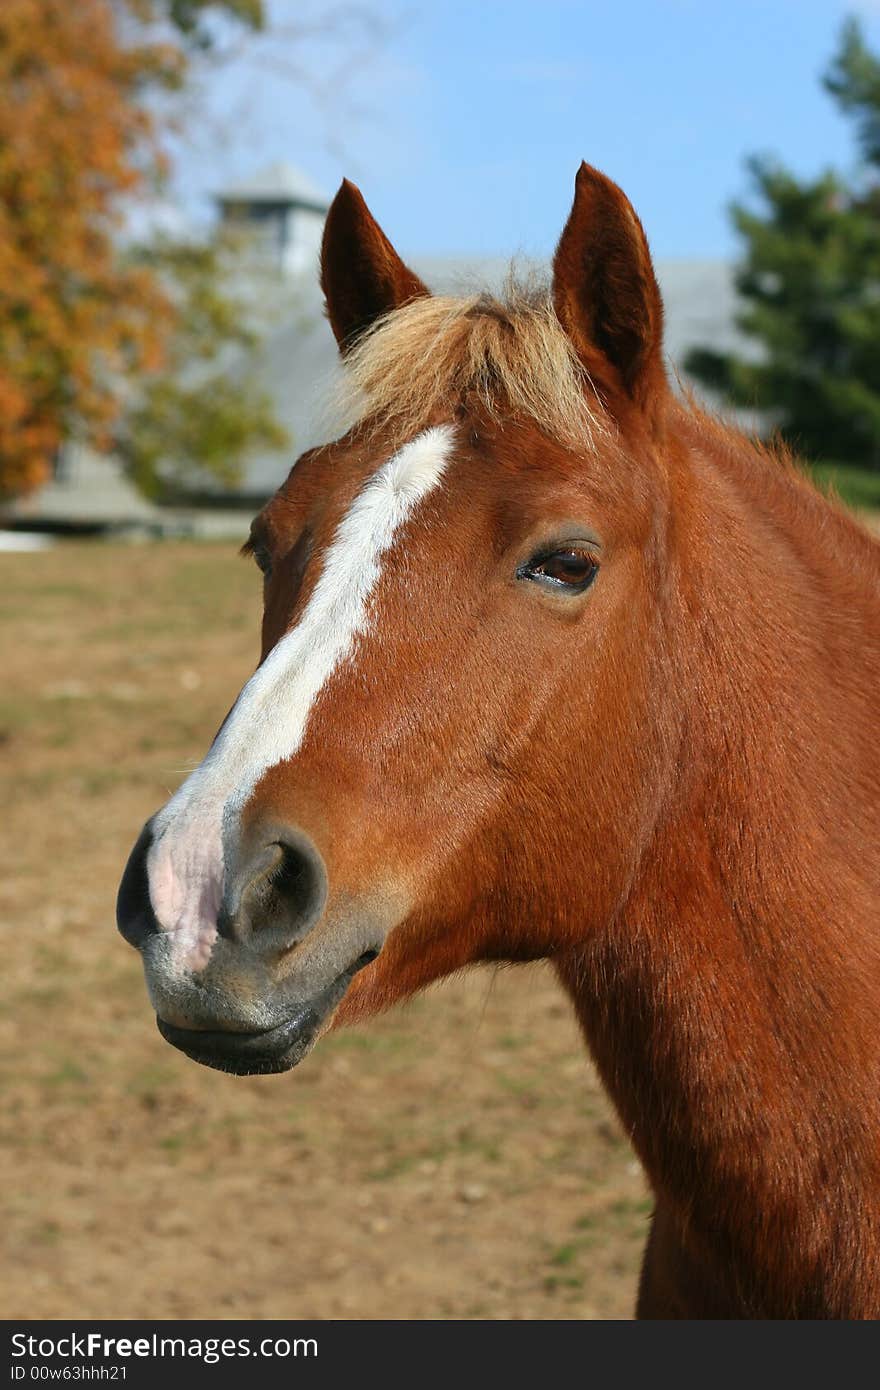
[(558, 664)]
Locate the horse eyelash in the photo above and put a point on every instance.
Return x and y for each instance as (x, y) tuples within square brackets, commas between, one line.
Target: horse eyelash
[(253, 550)]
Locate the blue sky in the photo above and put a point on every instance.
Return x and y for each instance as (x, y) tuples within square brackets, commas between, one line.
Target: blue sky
[(464, 123)]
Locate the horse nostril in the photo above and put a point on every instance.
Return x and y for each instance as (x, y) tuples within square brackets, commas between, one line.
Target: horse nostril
[(281, 902), (296, 878), (134, 910)]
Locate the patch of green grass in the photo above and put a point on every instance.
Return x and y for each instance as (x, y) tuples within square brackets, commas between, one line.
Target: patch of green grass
[(68, 1074), (99, 780), (526, 1089), (465, 1142), (631, 1211), (567, 1256), (174, 1144), (18, 713), (53, 960), (394, 1167), (369, 1042), (62, 738), (469, 1141), (857, 487), (628, 1214), (44, 994), (28, 585), (47, 1233), (553, 1283), (150, 1083)]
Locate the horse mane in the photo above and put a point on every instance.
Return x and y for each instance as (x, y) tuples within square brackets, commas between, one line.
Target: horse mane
[(775, 478), (506, 355)]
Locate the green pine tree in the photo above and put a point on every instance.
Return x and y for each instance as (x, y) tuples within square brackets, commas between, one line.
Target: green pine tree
[(810, 283)]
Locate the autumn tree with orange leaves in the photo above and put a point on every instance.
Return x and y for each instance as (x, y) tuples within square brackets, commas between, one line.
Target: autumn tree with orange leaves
[(78, 142)]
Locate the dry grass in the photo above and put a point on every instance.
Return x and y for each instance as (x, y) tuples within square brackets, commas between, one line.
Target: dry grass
[(454, 1159)]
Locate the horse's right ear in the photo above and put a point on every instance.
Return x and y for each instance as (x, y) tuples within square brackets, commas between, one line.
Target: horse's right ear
[(362, 275)]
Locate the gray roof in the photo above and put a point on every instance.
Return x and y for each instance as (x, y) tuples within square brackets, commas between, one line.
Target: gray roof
[(276, 183), (701, 305), (299, 360)]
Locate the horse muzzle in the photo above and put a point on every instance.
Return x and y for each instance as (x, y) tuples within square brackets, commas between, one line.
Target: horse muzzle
[(267, 1050), (279, 961)]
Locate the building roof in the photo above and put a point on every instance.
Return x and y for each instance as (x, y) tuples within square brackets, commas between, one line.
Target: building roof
[(276, 183)]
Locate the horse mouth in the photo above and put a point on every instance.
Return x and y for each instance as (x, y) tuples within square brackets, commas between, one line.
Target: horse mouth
[(271, 1050)]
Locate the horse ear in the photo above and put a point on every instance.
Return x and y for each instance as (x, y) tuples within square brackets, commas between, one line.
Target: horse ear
[(604, 290), (362, 275)]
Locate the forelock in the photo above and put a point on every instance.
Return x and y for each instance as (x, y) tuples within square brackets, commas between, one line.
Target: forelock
[(503, 356)]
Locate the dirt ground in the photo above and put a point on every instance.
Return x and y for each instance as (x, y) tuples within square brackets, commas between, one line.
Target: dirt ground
[(455, 1159)]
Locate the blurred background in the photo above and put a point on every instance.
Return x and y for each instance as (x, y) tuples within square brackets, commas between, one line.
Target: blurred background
[(165, 169)]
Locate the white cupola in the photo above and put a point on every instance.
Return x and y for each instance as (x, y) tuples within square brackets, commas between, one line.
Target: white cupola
[(281, 212)]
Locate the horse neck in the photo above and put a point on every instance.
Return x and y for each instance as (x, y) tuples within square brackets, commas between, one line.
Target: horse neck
[(731, 1004)]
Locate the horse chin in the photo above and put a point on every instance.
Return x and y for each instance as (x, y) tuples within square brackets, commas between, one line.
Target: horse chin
[(269, 1050)]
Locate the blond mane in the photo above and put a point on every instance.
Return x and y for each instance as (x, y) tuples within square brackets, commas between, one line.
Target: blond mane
[(505, 355)]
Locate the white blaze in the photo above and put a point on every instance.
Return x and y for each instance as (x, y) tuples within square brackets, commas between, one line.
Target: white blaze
[(268, 721)]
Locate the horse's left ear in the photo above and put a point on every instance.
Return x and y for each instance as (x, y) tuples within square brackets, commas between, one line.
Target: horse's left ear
[(362, 275), (605, 293)]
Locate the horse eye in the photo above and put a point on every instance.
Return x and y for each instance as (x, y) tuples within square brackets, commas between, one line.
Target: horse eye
[(573, 569), (263, 560)]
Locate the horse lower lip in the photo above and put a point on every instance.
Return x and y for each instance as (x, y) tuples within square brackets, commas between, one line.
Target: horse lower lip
[(274, 1049)]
